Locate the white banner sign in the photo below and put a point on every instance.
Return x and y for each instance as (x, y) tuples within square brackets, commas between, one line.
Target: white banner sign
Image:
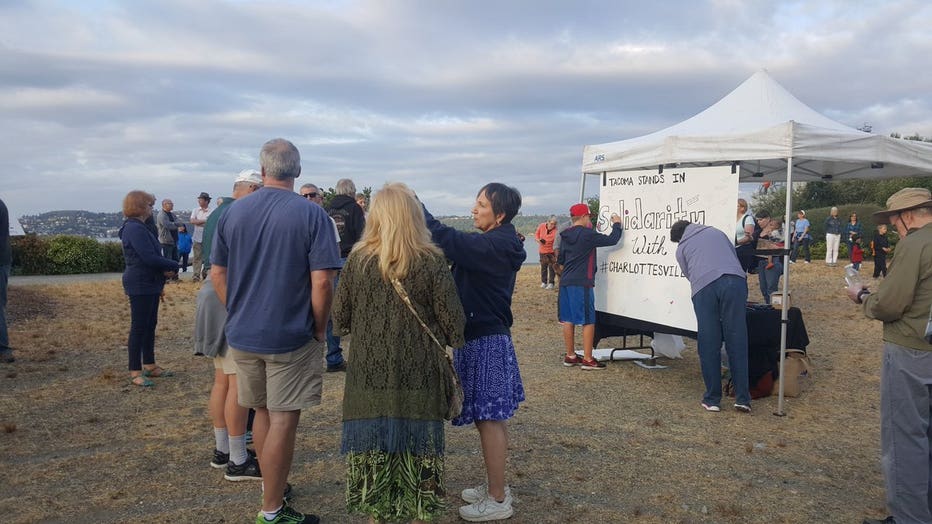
[(639, 278)]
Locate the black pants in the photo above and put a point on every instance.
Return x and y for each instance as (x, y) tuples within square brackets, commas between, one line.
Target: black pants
[(144, 315), (184, 262), (880, 266), (170, 251)]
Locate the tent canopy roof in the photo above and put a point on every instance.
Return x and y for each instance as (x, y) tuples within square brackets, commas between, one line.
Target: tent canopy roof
[(760, 124)]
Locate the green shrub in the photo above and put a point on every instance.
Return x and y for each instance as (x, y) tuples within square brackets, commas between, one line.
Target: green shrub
[(64, 255), (72, 254), (817, 218), (30, 255), (113, 261)]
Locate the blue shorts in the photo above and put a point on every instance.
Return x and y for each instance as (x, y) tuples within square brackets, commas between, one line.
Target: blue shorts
[(576, 305)]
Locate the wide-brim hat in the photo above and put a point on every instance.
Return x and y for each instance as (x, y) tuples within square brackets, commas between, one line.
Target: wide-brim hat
[(904, 200)]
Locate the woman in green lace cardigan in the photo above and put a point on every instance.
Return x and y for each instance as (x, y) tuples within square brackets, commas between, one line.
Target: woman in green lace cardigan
[(394, 400)]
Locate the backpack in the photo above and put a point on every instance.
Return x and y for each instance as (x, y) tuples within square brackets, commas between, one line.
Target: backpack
[(755, 235), (340, 216)]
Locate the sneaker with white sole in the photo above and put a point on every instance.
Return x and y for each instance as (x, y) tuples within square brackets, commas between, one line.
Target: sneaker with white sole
[(549, 286), (220, 459), (480, 492), (711, 407), (589, 365), (487, 509), (248, 470), (744, 408), (543, 285)]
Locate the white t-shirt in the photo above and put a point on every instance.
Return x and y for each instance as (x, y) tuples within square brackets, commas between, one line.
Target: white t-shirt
[(199, 214)]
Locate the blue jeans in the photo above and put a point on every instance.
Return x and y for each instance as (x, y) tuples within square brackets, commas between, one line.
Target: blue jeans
[(769, 278), (720, 317), (334, 351), (4, 336), (801, 243)]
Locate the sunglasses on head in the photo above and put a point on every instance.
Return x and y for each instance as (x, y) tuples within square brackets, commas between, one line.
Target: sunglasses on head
[(310, 195)]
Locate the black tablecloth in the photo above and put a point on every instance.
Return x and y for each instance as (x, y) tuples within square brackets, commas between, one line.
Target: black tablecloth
[(764, 338), (763, 335)]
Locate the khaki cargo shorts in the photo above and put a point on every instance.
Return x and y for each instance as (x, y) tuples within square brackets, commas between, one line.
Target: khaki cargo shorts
[(280, 381), (225, 362)]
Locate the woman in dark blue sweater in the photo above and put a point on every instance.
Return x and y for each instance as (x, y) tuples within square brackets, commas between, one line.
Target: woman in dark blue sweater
[(484, 269), (143, 280)]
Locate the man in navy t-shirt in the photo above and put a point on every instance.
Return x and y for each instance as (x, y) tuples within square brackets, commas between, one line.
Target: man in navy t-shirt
[(272, 265)]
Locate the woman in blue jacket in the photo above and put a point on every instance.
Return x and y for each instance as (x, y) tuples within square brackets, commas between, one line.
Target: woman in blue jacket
[(853, 227), (484, 269), (143, 281)]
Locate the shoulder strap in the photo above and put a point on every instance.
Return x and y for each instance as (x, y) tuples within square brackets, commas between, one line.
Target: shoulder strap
[(407, 300)]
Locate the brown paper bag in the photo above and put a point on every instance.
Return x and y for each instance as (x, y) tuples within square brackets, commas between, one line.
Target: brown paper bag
[(797, 370)]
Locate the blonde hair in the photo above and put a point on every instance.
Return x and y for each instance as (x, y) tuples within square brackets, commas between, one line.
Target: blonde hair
[(395, 232)]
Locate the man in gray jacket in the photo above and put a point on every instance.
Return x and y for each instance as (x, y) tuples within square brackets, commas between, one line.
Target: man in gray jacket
[(168, 230)]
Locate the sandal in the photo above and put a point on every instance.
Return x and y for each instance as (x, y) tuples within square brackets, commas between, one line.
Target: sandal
[(145, 383), (157, 372)]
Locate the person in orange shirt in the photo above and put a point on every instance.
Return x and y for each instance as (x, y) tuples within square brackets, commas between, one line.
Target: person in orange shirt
[(545, 235)]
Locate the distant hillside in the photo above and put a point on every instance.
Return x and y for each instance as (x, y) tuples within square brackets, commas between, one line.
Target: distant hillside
[(525, 224), (106, 225), (80, 223)]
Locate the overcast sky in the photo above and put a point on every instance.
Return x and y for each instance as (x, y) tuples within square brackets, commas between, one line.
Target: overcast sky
[(177, 96)]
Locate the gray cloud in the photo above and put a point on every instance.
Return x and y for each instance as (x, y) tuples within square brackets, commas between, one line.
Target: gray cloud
[(176, 97)]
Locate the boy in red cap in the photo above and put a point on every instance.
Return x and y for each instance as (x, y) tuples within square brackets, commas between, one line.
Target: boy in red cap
[(576, 303)]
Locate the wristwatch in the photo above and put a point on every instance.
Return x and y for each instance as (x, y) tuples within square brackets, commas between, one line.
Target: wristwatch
[(861, 294)]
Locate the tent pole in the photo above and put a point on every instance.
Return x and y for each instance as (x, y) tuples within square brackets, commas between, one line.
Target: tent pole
[(785, 311), (582, 187)]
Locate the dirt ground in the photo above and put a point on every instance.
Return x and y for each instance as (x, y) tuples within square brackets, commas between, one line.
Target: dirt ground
[(79, 444)]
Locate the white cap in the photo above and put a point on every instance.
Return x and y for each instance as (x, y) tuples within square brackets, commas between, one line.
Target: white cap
[(249, 175)]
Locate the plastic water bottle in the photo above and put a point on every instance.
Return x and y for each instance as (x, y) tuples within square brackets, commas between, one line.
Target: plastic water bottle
[(852, 277)]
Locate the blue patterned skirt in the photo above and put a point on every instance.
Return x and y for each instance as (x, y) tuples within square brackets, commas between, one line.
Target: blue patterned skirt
[(488, 369)]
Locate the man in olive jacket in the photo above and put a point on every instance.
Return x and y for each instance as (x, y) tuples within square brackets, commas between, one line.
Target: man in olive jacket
[(902, 302)]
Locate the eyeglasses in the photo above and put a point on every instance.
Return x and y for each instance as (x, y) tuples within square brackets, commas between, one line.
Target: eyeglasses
[(310, 195)]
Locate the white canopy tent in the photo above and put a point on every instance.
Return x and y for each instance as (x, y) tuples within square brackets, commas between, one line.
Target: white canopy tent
[(769, 135)]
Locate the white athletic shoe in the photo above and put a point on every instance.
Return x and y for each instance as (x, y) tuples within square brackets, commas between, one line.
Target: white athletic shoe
[(488, 509), (480, 492)]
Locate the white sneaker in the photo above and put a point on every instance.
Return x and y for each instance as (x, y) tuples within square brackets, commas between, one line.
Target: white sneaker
[(480, 492), (549, 286), (487, 509), (543, 285)]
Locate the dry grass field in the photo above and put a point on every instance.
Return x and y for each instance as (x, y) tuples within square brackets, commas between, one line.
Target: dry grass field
[(79, 444)]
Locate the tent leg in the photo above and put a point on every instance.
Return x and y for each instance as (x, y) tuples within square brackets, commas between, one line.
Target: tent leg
[(784, 315)]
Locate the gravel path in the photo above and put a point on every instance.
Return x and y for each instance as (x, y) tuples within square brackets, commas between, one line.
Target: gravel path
[(41, 280)]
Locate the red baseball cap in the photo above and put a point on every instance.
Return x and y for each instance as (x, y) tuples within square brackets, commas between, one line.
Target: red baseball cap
[(578, 210)]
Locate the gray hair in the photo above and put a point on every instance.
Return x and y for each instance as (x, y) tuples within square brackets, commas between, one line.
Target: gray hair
[(345, 186), (280, 159), (309, 186), (553, 218)]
